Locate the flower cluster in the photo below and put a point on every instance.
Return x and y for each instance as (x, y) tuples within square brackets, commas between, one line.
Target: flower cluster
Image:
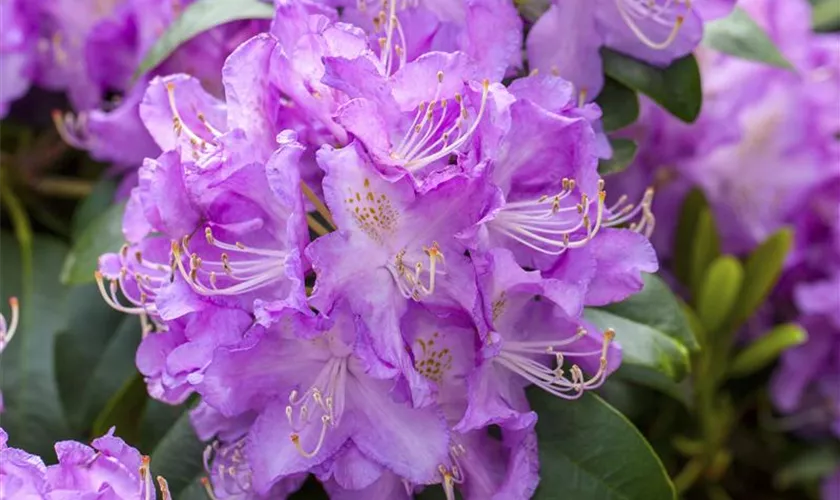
[(91, 50), (363, 254), (765, 153), (109, 468)]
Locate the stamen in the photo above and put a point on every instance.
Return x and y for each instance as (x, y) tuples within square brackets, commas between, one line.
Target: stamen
[(198, 143), (208, 488), (427, 140), (623, 212), (409, 283), (632, 11), (330, 404), (518, 357), (71, 128), (546, 226), (253, 269), (6, 334)]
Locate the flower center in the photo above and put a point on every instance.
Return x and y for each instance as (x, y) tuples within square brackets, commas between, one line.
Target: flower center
[(323, 402), (433, 362), (180, 126), (522, 358), (238, 269), (660, 12), (138, 281), (229, 468), (410, 279), (544, 225), (438, 129), (454, 473)]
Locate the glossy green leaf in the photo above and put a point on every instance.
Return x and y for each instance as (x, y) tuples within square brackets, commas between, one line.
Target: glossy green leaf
[(114, 370), (676, 88), (33, 416), (706, 248), (657, 306), (644, 345), (590, 451), (679, 391), (79, 349), (739, 35), (103, 235), (124, 410), (624, 152), (178, 456), (761, 272), (766, 349), (693, 205), (197, 18), (619, 104), (719, 291), (97, 202)]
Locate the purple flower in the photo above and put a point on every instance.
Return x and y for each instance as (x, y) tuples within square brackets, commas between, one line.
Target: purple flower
[(109, 468), (18, 51), (566, 39), (22, 475), (488, 31)]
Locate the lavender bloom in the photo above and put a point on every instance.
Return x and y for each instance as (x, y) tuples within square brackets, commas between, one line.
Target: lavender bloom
[(489, 32), (90, 53), (422, 327), (566, 39), (109, 468), (17, 51)]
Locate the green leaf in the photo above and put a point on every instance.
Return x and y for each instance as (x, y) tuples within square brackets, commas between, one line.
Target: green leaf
[(761, 272), (826, 15), (94, 204), (739, 35), (619, 104), (694, 203), (766, 349), (624, 152), (810, 465), (590, 451), (644, 345), (103, 235), (79, 349), (197, 18), (113, 372), (123, 411), (532, 10), (676, 88), (679, 391), (706, 243), (657, 306), (33, 416), (178, 456), (718, 292)]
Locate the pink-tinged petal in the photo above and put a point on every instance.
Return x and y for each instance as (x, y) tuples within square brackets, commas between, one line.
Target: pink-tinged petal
[(273, 455), (353, 471), (495, 396), (709, 10), (619, 36), (546, 91), (267, 367), (210, 423), (252, 98), (135, 226), (565, 42), (621, 256), (419, 81), (494, 31), (164, 197), (389, 485), (191, 102), (410, 442), (830, 488)]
